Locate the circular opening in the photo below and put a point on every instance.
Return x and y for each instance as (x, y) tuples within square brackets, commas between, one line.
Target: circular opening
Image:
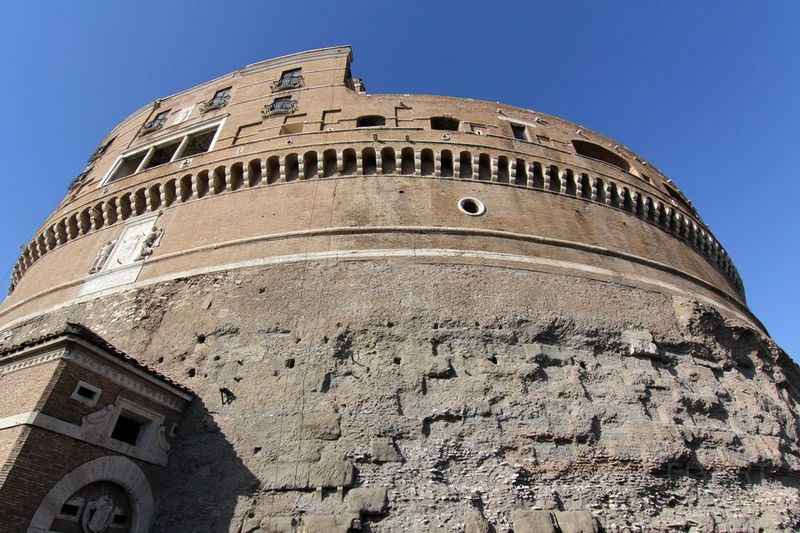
[(471, 206)]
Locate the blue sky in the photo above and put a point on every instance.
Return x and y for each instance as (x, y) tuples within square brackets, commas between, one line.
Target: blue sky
[(706, 91)]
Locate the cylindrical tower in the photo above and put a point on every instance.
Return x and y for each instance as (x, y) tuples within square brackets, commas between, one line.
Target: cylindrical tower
[(405, 312)]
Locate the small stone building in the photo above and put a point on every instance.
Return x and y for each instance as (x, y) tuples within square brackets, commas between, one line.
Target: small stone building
[(84, 433)]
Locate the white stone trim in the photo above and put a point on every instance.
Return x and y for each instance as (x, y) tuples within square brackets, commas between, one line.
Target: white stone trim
[(23, 363), (84, 433), (115, 469), (91, 402), (156, 141)]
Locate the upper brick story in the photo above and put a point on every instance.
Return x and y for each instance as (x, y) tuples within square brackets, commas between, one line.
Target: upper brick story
[(512, 181)]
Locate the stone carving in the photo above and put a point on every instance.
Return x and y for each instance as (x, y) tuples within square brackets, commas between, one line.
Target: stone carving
[(94, 424), (152, 240), (161, 440), (97, 515), (102, 256)]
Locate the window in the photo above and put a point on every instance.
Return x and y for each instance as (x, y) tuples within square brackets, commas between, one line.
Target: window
[(444, 123), (71, 508), (220, 99), (284, 104), (86, 393), (195, 142), (290, 79), (156, 123), (519, 132), (370, 121), (102, 149), (127, 429), (678, 197), (596, 151)]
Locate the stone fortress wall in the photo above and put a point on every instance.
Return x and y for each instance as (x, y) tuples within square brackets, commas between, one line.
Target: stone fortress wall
[(415, 313)]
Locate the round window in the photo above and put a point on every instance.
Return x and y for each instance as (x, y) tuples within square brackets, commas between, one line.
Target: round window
[(471, 206)]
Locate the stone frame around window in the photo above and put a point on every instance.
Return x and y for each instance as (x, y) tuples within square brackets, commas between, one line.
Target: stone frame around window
[(91, 402), (152, 422)]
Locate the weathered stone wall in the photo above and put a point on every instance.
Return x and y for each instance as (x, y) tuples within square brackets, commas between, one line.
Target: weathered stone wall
[(405, 396)]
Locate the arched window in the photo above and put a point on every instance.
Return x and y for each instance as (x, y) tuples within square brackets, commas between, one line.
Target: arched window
[(426, 162), (407, 161), (595, 151), (369, 162), (484, 167), (329, 163), (349, 163), (465, 166), (310, 165), (273, 169), (370, 121), (291, 167), (447, 164), (388, 161)]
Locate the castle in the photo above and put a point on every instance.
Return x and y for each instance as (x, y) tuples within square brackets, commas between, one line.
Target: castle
[(276, 302)]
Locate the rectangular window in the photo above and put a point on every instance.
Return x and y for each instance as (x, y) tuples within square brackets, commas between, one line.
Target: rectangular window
[(156, 123), (127, 429), (289, 79), (444, 123), (519, 132), (219, 100), (187, 145), (86, 393)]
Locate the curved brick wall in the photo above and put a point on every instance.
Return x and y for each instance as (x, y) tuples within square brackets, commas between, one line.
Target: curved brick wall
[(312, 180)]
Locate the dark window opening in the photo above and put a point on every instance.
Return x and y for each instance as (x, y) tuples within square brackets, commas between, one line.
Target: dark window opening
[(519, 132), (444, 123), (199, 143), (127, 166), (446, 169), (119, 519), (465, 166), (370, 121), (69, 509), (163, 154), (595, 151), (87, 393), (127, 430), (388, 161)]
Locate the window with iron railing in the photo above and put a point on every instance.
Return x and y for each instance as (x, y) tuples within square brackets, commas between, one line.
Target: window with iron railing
[(282, 105), (156, 124), (290, 79), (220, 99)]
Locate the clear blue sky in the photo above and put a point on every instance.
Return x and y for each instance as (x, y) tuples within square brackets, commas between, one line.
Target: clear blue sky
[(707, 91)]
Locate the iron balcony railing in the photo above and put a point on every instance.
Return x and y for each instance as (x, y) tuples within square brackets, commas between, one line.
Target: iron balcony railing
[(153, 125), (279, 107), (215, 103), (290, 82)]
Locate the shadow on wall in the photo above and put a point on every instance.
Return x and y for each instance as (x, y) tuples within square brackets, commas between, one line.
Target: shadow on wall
[(203, 480)]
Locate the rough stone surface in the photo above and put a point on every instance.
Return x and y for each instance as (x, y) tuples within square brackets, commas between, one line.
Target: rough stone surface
[(545, 412), (367, 500), (385, 451)]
